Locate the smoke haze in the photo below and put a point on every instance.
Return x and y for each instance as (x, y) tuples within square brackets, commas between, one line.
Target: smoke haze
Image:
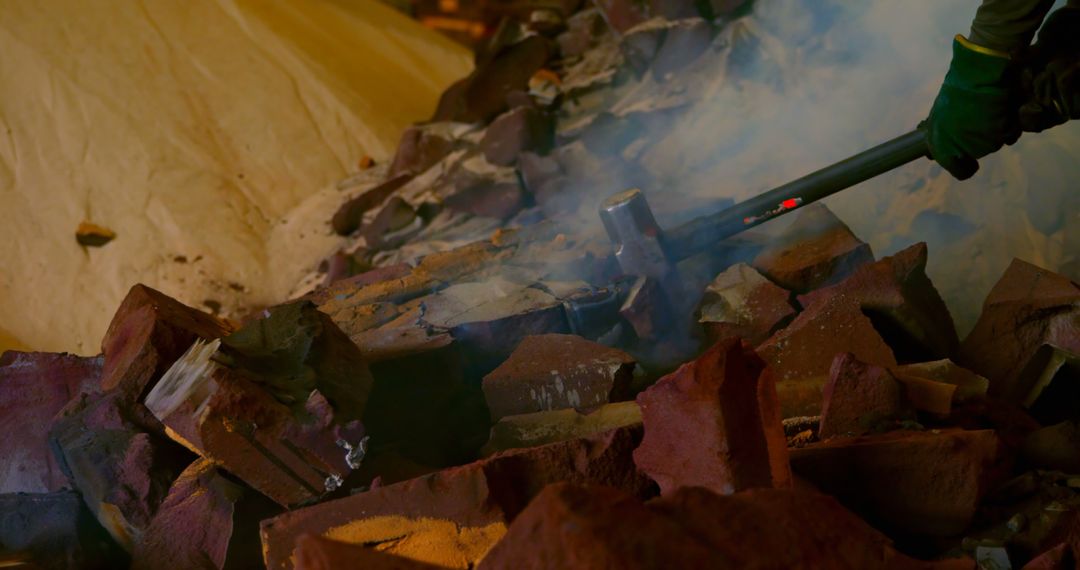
[(798, 85)]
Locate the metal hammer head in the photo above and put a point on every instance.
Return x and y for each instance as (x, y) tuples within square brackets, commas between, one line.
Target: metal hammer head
[(636, 236)]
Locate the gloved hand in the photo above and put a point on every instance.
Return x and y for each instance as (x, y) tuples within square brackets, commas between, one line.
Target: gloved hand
[(1052, 78), (976, 110)]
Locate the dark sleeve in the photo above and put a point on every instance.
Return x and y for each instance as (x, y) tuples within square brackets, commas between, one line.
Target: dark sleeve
[(1009, 25)]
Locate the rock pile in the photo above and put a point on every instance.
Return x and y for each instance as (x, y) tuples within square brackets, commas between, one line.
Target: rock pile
[(474, 383)]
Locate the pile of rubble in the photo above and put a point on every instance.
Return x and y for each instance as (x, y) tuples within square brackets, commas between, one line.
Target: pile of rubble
[(474, 382)]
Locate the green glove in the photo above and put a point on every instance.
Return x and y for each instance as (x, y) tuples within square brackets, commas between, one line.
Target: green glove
[(1052, 75), (975, 112)]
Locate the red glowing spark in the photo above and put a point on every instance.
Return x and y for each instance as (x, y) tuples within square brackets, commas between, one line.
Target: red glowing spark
[(789, 203)]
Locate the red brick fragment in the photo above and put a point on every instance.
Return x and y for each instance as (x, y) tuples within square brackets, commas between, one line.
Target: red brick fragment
[(919, 483), (902, 302), (419, 149), (473, 503), (350, 215), (801, 354), (714, 423), (1028, 308), (817, 250), (34, 386), (558, 371), (147, 334), (316, 553), (206, 521), (742, 303), (122, 472), (500, 200), (482, 95), (860, 398), (572, 526), (519, 130)]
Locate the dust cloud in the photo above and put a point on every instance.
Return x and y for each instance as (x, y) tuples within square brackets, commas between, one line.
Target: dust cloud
[(799, 85)]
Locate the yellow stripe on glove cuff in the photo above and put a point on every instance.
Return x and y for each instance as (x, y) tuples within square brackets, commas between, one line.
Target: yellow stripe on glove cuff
[(980, 49)]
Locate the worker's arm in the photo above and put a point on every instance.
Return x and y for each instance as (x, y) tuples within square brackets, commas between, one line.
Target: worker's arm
[(976, 110)]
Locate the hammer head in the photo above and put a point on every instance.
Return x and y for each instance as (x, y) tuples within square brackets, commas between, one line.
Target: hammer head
[(636, 236)]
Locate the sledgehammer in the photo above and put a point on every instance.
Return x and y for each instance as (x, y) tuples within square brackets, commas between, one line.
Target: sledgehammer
[(642, 249)]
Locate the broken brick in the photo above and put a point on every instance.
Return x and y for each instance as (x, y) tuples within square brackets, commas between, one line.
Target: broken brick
[(317, 553), (557, 371), (34, 386), (1028, 308), (499, 200), (714, 423), (647, 308), (575, 526), (418, 150), (540, 428), (1053, 374), (622, 15), (860, 398), (122, 472), (489, 319), (816, 250), (802, 354), (519, 130), (53, 531), (903, 304), (395, 216), (482, 95), (917, 483), (453, 517), (206, 521), (742, 303), (969, 385), (1055, 447), (350, 215), (685, 40), (147, 334)]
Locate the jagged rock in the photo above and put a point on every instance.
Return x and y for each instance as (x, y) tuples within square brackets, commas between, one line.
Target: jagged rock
[(317, 553), (147, 334), (903, 304), (918, 483), (685, 40), (557, 371), (518, 130), (419, 149), (482, 95), (499, 200), (571, 526), (714, 423), (53, 531), (860, 398), (490, 318), (206, 521), (742, 303), (1028, 308), (350, 215), (455, 516), (582, 31), (622, 15), (540, 428), (816, 250), (801, 354), (1053, 374), (969, 385), (122, 472), (395, 216), (34, 386), (1055, 447), (377, 275)]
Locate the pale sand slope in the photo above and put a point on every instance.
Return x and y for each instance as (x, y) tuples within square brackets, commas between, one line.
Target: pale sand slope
[(190, 128)]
